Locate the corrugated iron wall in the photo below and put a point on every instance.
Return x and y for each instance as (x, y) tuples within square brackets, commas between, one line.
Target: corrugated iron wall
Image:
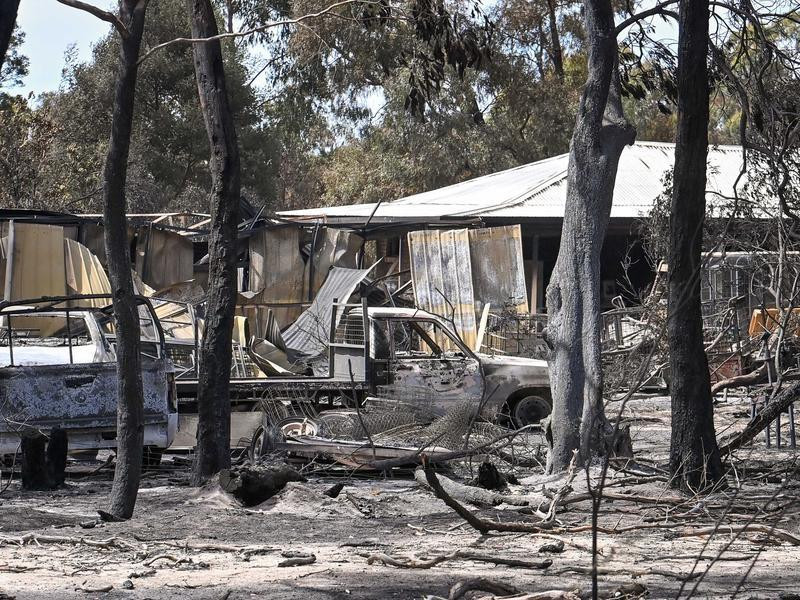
[(469, 268), (441, 272)]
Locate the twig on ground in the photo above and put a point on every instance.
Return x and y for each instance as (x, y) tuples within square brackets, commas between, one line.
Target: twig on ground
[(780, 534), (170, 557)]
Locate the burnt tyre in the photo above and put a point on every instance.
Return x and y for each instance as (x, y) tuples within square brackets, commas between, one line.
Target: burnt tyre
[(257, 445), (530, 410), (268, 435)]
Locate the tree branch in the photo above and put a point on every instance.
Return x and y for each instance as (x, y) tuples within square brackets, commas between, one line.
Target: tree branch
[(658, 9), (254, 30), (101, 14)]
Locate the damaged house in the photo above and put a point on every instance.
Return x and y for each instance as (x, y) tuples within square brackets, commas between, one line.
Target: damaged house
[(532, 197)]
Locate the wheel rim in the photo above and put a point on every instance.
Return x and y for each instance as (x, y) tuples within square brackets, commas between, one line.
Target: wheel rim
[(258, 444), (531, 410)]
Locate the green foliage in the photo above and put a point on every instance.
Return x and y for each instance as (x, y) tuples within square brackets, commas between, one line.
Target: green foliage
[(383, 140), (169, 151), (372, 102), (15, 66)]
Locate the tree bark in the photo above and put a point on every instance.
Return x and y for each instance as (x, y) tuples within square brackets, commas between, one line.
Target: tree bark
[(695, 460), (573, 296), (213, 400), (8, 18), (130, 426)]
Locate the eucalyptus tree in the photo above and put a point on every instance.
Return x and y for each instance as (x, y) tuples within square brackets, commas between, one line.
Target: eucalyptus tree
[(212, 452), (128, 23)]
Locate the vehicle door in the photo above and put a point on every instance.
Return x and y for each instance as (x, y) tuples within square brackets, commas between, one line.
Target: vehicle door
[(431, 366)]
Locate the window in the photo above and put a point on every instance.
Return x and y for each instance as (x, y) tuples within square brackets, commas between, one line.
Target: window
[(422, 339)]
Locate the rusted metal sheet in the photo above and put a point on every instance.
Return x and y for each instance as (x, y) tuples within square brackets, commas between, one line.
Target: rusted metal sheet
[(163, 257), (34, 261), (498, 272), (441, 271)]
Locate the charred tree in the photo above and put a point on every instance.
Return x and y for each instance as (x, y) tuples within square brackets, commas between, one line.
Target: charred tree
[(130, 425), (555, 40), (695, 460), (573, 295), (8, 18), (213, 399)]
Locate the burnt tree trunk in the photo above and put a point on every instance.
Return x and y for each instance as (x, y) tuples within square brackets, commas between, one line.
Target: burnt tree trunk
[(573, 296), (555, 41), (213, 400), (8, 18), (694, 456), (130, 426)]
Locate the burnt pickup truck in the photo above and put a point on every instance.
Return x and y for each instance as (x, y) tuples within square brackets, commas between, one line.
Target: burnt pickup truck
[(417, 350), (402, 354), (58, 369)]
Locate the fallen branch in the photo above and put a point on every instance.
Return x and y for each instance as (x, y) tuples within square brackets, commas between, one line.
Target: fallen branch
[(482, 525), (203, 546), (471, 493), (297, 559), (630, 572), (750, 378), (95, 590), (411, 563), (33, 538), (481, 584), (500, 589), (768, 414), (109, 460), (170, 557), (416, 456)]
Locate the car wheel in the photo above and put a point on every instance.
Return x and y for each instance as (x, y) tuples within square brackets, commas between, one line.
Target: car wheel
[(530, 410)]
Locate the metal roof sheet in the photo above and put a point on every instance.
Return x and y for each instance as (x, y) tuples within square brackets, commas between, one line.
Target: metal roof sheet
[(309, 335), (538, 190)]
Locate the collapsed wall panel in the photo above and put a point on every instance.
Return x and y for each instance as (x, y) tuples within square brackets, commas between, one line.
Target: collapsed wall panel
[(163, 257), (498, 270), (277, 271), (334, 248), (34, 261), (441, 272), (469, 268), (84, 273)]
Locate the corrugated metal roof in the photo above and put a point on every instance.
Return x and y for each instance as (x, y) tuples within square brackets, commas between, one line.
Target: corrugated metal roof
[(538, 190)]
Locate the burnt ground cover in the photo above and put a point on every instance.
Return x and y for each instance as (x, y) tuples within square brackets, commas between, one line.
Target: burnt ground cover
[(198, 543)]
